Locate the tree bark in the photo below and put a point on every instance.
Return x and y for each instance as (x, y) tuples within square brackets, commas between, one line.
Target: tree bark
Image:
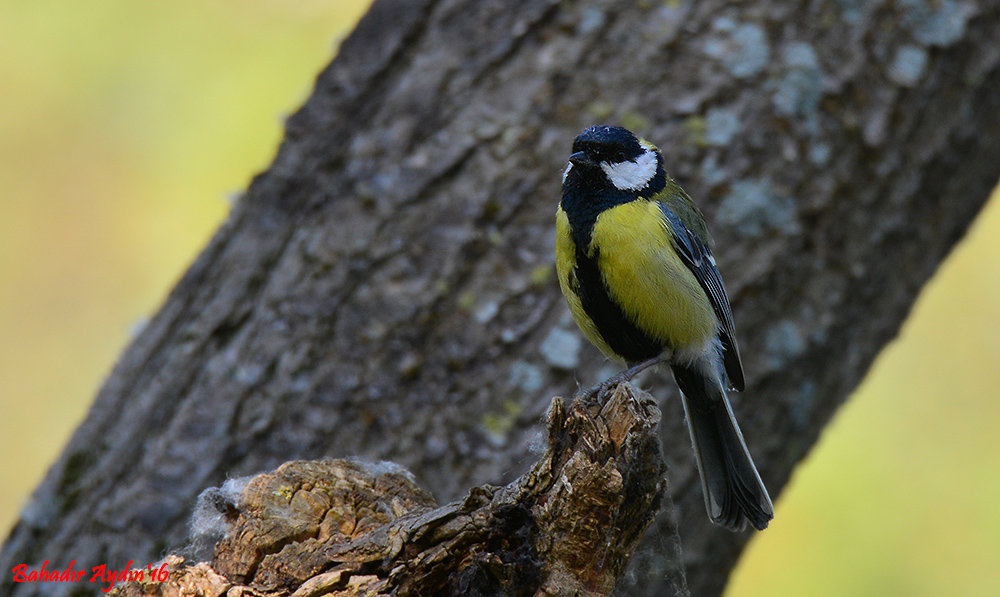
[(385, 289)]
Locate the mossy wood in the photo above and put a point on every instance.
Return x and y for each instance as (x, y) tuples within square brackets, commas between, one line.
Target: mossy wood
[(332, 527)]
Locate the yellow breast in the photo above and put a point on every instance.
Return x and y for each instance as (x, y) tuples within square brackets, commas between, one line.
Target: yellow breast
[(643, 275)]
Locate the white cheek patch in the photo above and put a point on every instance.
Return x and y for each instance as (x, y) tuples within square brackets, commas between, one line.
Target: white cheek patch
[(569, 167), (632, 176)]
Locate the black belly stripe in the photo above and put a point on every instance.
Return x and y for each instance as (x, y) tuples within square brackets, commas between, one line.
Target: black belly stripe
[(627, 340)]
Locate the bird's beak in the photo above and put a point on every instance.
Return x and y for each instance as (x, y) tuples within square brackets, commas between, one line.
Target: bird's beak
[(580, 159)]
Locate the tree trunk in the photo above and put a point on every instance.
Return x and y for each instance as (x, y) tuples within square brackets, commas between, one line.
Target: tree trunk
[(386, 288)]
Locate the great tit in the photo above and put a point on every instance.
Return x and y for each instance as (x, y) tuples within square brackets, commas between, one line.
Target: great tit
[(634, 259)]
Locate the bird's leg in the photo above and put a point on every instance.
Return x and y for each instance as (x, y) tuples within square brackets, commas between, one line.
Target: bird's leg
[(622, 377)]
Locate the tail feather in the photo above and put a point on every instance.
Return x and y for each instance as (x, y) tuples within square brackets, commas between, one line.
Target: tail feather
[(734, 493)]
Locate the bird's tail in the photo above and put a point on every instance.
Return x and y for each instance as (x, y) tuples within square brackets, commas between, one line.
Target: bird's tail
[(734, 493)]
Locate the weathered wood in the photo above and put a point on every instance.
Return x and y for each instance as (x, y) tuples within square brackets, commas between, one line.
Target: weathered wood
[(332, 527)]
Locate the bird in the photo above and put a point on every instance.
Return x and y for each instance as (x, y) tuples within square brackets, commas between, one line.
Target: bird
[(634, 262)]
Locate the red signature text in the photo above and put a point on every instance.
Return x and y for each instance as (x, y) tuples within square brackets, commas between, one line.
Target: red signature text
[(98, 574)]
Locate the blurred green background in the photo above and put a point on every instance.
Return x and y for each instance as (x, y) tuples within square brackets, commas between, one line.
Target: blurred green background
[(124, 127)]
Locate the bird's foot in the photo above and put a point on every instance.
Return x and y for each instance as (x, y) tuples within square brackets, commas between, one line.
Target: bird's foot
[(591, 394)]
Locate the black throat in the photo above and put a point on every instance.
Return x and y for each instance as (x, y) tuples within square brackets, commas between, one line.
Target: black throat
[(584, 198), (586, 193)]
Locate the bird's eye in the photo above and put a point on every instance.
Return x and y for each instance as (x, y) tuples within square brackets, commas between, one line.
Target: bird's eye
[(620, 156)]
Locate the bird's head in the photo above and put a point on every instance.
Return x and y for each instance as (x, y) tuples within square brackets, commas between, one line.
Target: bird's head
[(614, 156)]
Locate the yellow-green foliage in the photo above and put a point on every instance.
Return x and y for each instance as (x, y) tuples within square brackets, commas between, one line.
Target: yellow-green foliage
[(900, 496), (124, 129)]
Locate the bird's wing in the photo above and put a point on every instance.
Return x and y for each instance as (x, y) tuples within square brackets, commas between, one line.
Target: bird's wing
[(698, 258)]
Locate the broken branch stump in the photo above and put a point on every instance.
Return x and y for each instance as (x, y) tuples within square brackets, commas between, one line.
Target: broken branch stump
[(337, 527)]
